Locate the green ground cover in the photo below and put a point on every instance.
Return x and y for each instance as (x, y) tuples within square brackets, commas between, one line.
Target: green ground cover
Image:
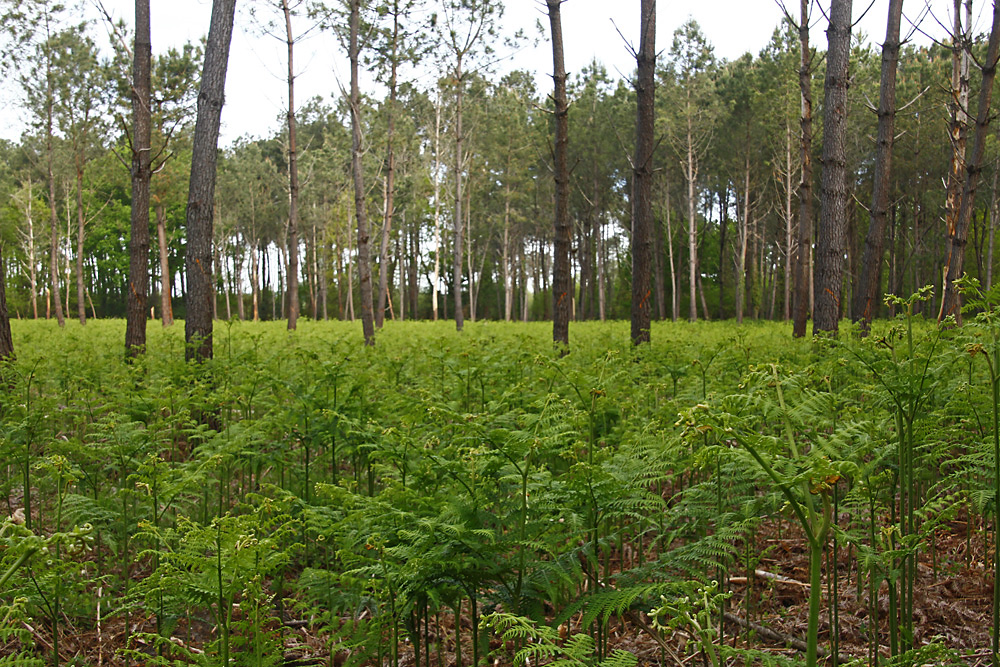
[(456, 499)]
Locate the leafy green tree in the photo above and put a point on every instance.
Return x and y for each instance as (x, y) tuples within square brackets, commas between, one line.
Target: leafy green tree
[(40, 83), (82, 95)]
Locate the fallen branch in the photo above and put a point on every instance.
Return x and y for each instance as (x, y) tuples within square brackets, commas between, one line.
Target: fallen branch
[(775, 636), (763, 574)]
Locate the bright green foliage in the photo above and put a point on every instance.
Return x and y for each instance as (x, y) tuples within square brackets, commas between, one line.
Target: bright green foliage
[(373, 495)]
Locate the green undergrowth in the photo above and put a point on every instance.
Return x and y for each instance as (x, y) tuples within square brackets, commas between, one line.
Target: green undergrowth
[(448, 498)]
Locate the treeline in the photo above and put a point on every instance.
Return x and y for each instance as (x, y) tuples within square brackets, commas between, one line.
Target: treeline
[(457, 173)]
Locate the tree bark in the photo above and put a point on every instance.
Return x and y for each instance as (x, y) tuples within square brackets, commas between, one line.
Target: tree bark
[(866, 294), (642, 184), (201, 191), (834, 197), (951, 302), (364, 257), (138, 280), (293, 181), (803, 280), (6, 340), (562, 286)]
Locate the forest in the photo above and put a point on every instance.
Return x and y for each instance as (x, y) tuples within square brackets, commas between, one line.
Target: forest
[(725, 198), (537, 448)]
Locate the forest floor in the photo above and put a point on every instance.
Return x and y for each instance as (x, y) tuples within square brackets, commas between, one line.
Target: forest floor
[(767, 611)]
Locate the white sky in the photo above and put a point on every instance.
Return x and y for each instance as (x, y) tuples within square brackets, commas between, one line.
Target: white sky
[(256, 89)]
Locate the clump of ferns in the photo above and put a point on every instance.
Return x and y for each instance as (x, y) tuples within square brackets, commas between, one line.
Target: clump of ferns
[(542, 644), (794, 443), (218, 568)]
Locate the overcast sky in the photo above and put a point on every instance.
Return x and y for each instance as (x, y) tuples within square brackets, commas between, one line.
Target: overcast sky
[(256, 89)]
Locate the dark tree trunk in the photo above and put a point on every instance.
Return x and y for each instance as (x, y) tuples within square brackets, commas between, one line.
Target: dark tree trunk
[(831, 240), (951, 303), (642, 184), (201, 191), (562, 288), (364, 253), (803, 294), (293, 181), (866, 293), (138, 272), (6, 340)]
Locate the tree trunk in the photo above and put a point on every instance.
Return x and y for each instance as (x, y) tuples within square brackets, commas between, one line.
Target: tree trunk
[(6, 340), (661, 291), (459, 226), (390, 174), (293, 181), (201, 191), (834, 197), (562, 285), (166, 305), (803, 271), (642, 185), (81, 292), (951, 302), (994, 211), (789, 227), (53, 215), (364, 260), (691, 174), (138, 282), (437, 207), (866, 293)]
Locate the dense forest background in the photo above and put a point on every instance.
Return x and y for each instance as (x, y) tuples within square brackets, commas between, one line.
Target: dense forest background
[(727, 169)]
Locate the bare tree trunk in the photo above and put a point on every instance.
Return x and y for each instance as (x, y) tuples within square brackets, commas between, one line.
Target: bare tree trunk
[(364, 261), (293, 181), (642, 185), (661, 292), (834, 195), (803, 263), (562, 284), (437, 207), (390, 167), (201, 192), (32, 259), (508, 278), (459, 165), (951, 302), (789, 227), (691, 174), (166, 305), (866, 294), (81, 298), (6, 339), (994, 211), (138, 282)]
